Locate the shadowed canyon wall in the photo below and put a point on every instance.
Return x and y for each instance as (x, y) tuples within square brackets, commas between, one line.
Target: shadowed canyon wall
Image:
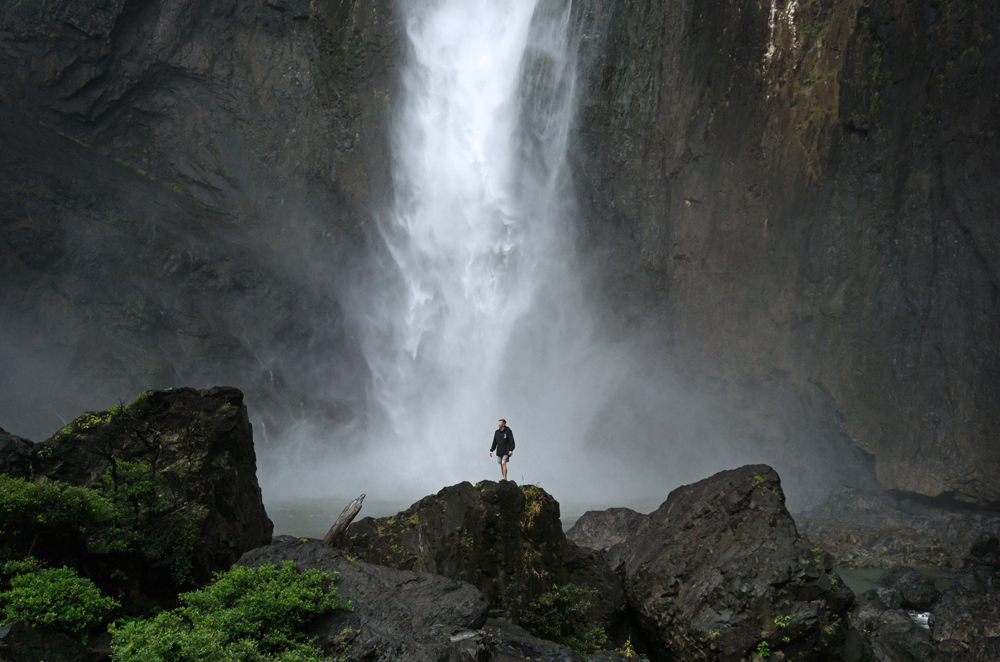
[(185, 186), (805, 193), (785, 197)]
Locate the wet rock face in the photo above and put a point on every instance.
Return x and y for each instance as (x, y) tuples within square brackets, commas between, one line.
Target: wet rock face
[(603, 529), (906, 588), (804, 190), (504, 539), (200, 444), (720, 567), (398, 615), (907, 618), (969, 611), (182, 182)]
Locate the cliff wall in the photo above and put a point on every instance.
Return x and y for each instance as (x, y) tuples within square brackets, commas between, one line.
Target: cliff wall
[(803, 192), (185, 184)]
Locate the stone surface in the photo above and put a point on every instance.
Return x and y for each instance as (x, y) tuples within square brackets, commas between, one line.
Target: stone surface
[(184, 186), (969, 610), (201, 445), (602, 529), (868, 530), (504, 539), (900, 587), (798, 198), (20, 642), (397, 614), (710, 571)]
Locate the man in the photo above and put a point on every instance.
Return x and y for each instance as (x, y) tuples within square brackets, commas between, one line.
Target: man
[(503, 444)]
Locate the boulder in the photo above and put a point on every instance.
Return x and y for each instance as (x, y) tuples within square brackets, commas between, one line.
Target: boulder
[(15, 454), (969, 611), (602, 529), (200, 444), (20, 642), (504, 539), (590, 568), (900, 587), (512, 643), (397, 614), (886, 633), (719, 570), (985, 550)]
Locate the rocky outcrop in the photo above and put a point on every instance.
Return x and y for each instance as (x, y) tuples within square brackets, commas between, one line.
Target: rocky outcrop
[(877, 530), (396, 614), (198, 443), (796, 198), (504, 539), (907, 618), (719, 571), (969, 611)]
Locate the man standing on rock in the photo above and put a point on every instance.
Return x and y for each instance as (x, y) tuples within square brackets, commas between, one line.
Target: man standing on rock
[(503, 444)]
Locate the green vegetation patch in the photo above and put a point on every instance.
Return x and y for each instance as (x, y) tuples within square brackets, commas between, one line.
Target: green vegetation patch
[(561, 616), (246, 615), (55, 597)]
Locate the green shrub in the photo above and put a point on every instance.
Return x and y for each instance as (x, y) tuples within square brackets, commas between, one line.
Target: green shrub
[(144, 521), (56, 597), (125, 512), (561, 616), (29, 509), (246, 615)]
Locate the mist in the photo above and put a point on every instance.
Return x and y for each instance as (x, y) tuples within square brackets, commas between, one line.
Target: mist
[(480, 311)]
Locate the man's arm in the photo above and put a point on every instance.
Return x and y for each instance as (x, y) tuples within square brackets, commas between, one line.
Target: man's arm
[(494, 446), (510, 435)]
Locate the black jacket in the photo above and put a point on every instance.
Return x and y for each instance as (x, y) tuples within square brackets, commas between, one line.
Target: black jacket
[(503, 441)]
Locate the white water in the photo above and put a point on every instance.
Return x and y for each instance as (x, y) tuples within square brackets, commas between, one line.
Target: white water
[(489, 321)]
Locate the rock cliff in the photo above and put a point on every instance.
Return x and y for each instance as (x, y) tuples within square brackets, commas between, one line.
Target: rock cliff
[(183, 184), (800, 195)]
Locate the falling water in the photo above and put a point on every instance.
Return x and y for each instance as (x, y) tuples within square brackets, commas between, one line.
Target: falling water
[(480, 236)]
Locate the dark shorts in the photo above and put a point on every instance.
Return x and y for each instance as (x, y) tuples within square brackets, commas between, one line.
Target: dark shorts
[(502, 458)]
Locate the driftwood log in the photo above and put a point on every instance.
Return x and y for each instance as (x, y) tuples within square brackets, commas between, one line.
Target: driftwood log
[(346, 517)]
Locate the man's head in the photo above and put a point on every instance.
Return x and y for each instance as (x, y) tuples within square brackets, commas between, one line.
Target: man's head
[(503, 424)]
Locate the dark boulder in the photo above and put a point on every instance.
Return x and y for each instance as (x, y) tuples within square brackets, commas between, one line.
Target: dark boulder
[(969, 611), (199, 444), (397, 614), (590, 569), (20, 642), (504, 539), (602, 529), (985, 550), (900, 587), (512, 643), (719, 569), (887, 633), (15, 454)]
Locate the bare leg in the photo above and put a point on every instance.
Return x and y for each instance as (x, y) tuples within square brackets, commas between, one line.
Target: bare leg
[(503, 468)]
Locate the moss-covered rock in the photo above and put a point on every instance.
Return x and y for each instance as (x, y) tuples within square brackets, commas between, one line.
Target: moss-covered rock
[(182, 456), (504, 539)]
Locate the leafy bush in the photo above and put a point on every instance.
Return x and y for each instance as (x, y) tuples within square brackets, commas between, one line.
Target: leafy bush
[(125, 512), (56, 597), (246, 615), (28, 510), (144, 521), (561, 616)]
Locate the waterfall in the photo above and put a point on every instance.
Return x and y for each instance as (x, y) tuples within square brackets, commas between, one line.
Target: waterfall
[(479, 233)]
